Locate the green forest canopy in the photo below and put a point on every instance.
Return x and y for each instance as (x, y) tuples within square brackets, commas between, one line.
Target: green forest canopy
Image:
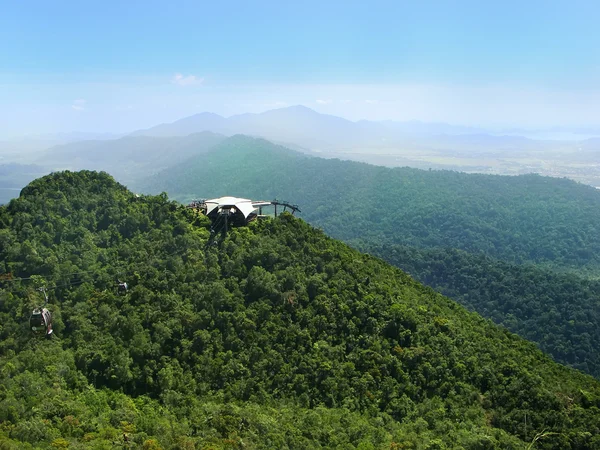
[(561, 312), (274, 336), (413, 218), (542, 220)]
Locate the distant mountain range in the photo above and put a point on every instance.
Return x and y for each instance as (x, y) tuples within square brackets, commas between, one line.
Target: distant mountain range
[(305, 127), (300, 126), (386, 143)]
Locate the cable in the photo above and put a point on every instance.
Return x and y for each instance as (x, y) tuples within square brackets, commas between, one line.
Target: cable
[(73, 283), (46, 276), (179, 252)]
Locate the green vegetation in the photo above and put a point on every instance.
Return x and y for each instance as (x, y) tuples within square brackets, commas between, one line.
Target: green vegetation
[(542, 220), (415, 219), (275, 336), (561, 312)]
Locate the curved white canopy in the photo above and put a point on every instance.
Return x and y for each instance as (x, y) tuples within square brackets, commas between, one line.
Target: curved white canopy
[(244, 205)]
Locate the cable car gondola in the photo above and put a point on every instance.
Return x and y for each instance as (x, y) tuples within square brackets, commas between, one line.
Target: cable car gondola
[(40, 321), (122, 287)]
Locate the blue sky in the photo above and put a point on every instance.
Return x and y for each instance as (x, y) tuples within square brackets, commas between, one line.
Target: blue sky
[(122, 65)]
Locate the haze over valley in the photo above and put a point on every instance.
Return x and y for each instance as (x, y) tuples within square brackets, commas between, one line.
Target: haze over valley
[(387, 143), (413, 144)]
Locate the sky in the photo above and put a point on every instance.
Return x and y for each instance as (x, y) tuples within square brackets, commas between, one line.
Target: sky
[(117, 66)]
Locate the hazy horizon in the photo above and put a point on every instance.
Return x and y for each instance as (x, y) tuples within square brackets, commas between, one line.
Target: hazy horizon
[(118, 67), (573, 133)]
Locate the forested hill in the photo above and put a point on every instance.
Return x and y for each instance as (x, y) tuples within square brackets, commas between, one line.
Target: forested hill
[(561, 312), (413, 219), (275, 336), (530, 218)]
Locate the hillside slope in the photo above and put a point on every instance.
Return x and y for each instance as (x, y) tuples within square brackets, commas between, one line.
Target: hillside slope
[(411, 218), (517, 219), (128, 158), (275, 336), (561, 312)]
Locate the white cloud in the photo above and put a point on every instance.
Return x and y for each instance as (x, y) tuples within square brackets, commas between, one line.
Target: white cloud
[(189, 80), (79, 104), (371, 102), (324, 101)]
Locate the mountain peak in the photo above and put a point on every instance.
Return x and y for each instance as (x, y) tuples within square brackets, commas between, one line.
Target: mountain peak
[(295, 110), (205, 114), (299, 108)]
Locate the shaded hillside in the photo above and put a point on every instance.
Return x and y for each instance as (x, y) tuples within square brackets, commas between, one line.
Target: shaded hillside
[(517, 219), (561, 312), (276, 336), (128, 158)]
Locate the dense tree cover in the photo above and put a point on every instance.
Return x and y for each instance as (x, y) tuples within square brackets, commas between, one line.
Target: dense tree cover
[(521, 220), (561, 312), (273, 336), (516, 219)]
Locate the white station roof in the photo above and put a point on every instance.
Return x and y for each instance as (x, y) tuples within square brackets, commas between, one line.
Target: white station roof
[(244, 205)]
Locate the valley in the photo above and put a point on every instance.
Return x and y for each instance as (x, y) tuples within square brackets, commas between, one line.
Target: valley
[(391, 144), (558, 164)]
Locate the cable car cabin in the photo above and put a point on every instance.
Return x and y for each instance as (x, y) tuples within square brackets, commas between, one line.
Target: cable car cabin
[(40, 321), (122, 287)]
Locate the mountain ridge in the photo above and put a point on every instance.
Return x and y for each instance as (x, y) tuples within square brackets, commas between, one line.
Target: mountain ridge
[(515, 221), (296, 119), (318, 179)]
